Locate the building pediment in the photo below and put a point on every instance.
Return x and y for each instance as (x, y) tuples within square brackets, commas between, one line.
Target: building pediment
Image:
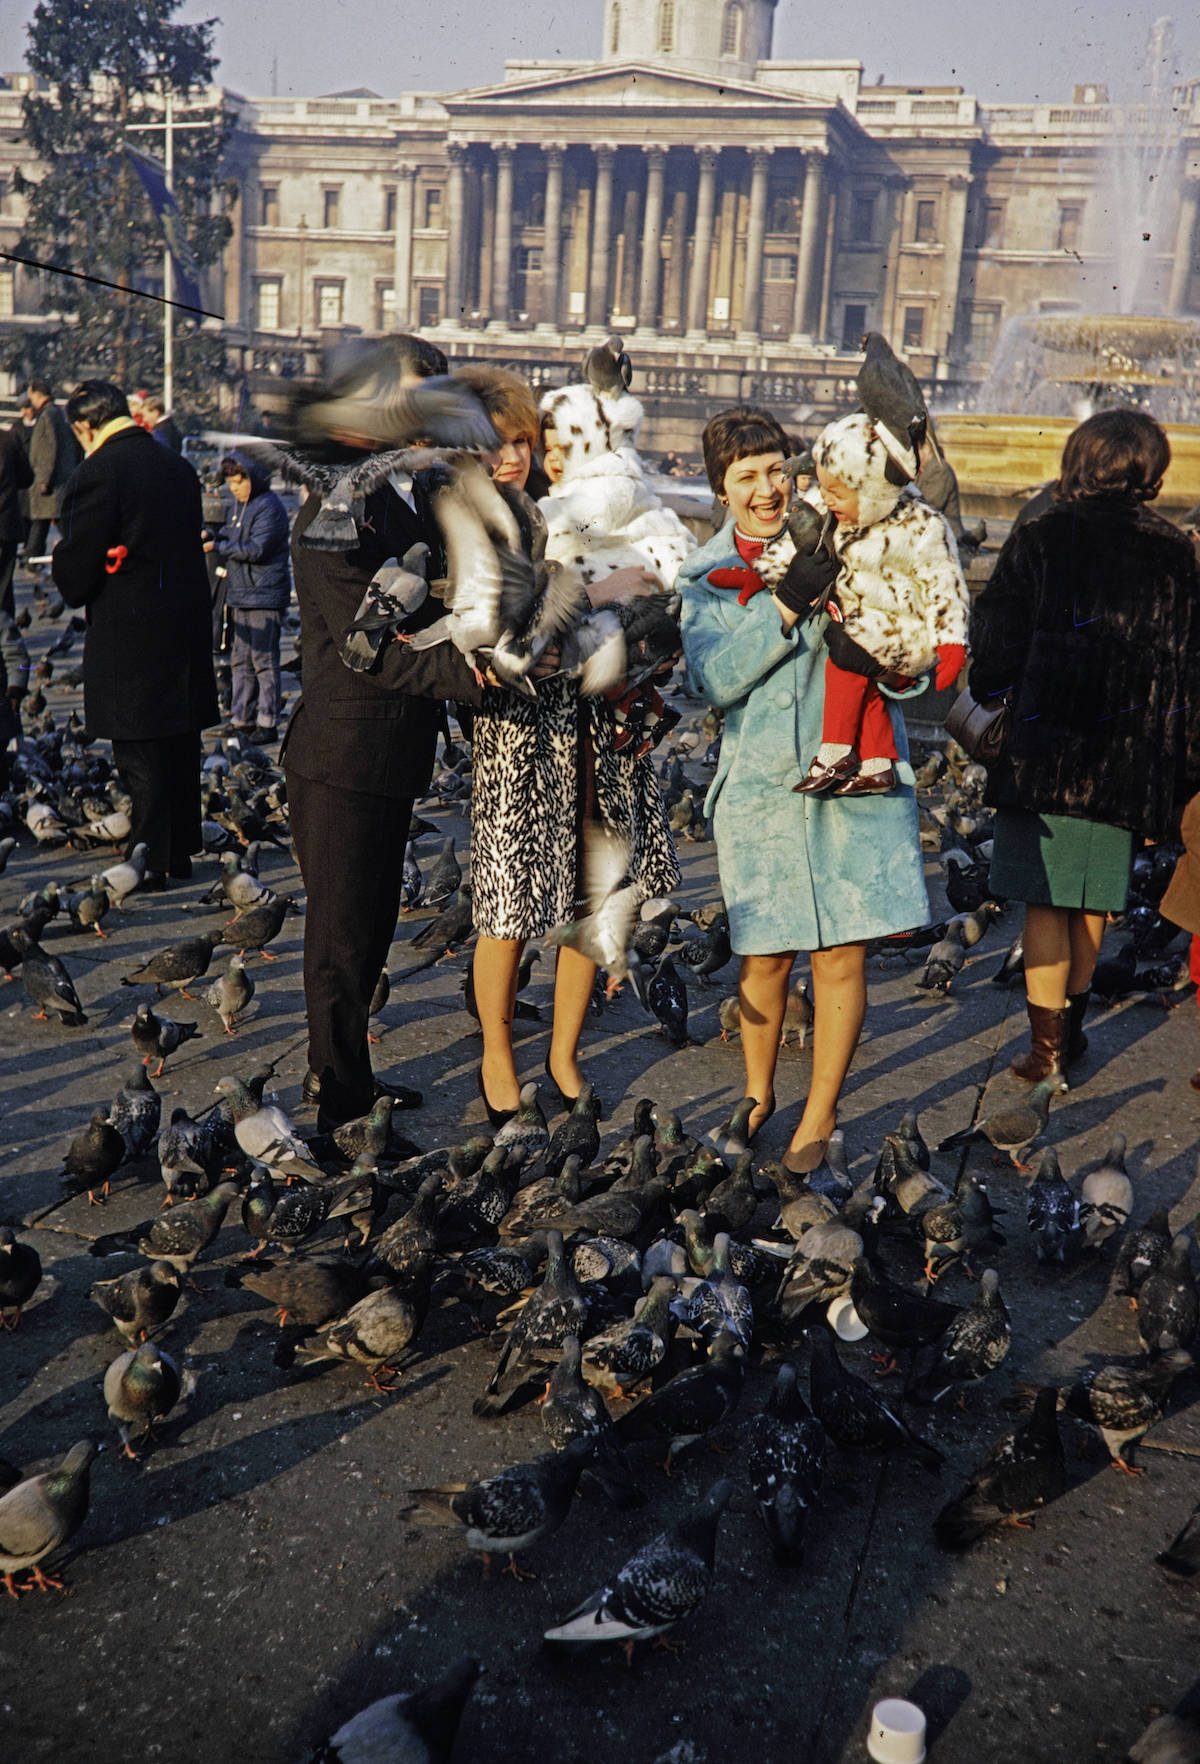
[(627, 86)]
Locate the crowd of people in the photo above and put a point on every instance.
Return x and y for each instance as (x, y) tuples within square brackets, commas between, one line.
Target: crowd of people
[(1088, 631)]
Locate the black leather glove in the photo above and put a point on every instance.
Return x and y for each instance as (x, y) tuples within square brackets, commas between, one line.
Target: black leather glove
[(806, 580)]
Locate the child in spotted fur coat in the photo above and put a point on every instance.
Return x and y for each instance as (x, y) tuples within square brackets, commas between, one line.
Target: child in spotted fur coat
[(899, 607)]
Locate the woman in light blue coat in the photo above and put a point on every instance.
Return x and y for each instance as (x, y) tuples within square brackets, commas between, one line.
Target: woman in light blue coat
[(798, 871)]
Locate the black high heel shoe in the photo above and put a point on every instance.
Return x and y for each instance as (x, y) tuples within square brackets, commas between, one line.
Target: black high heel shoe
[(563, 1100), (497, 1117)]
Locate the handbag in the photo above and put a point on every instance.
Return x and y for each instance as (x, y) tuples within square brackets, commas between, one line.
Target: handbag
[(980, 729)]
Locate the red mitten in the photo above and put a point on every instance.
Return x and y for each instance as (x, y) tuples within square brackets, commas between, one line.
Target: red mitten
[(951, 660), (747, 581)]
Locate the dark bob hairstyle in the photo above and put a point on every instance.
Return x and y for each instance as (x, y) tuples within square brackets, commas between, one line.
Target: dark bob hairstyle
[(739, 433), (1114, 453)]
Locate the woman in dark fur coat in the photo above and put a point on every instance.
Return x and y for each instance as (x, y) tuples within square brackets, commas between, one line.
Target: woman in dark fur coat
[(1091, 623)]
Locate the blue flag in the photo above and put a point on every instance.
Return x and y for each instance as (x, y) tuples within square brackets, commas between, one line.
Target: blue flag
[(166, 211)]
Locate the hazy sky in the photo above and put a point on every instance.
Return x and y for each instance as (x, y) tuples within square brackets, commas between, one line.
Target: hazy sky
[(999, 49)]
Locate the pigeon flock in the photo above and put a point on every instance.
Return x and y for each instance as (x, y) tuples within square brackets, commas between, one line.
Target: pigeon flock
[(609, 1305)]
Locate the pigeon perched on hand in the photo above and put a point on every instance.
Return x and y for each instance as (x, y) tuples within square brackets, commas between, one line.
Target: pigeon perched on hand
[(395, 592), (892, 398)]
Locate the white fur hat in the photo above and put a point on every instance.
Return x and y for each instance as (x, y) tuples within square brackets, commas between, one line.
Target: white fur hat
[(589, 424), (849, 449)]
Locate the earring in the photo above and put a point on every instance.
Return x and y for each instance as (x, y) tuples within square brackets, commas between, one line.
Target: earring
[(724, 501)]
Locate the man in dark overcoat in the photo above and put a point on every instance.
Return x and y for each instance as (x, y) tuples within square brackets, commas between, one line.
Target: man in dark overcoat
[(53, 454), (130, 553), (16, 474), (358, 750)]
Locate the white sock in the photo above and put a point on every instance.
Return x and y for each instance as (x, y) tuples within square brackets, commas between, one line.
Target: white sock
[(831, 751), (870, 768)]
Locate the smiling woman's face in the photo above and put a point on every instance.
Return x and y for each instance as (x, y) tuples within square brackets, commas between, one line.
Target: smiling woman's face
[(757, 492)]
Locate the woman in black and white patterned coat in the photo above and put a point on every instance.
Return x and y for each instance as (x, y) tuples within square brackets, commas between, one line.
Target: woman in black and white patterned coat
[(541, 766)]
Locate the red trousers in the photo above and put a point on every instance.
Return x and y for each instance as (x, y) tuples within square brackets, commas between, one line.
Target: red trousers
[(856, 715)]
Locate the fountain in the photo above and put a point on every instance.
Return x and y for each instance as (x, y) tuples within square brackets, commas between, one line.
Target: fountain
[(1051, 370)]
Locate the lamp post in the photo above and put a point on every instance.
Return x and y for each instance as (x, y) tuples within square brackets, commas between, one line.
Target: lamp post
[(302, 229)]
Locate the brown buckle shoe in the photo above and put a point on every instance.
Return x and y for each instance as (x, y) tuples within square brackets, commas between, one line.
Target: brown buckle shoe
[(867, 784), (820, 779)]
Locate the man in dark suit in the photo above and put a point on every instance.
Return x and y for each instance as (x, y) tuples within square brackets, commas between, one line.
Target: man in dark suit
[(162, 425), (16, 474), (130, 553), (358, 750), (53, 454)]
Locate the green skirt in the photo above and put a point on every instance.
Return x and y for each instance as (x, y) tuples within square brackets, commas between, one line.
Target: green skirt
[(1060, 861)]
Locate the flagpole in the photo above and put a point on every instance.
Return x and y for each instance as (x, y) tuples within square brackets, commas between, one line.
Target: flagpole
[(168, 375)]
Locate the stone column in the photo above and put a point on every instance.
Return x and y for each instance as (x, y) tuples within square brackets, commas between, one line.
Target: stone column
[(552, 238), (756, 233), (1185, 244), (648, 293), (456, 204), (954, 228), (831, 227), (487, 237), (896, 188), (502, 272), (697, 306), (630, 230), (808, 269), (406, 176), (597, 306), (678, 278)]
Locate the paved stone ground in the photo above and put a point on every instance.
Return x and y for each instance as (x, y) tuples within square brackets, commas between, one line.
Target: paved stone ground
[(253, 1580)]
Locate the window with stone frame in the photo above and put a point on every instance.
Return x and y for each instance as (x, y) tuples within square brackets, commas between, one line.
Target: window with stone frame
[(779, 266), (1070, 226), (925, 220), (268, 205), (862, 218), (731, 28), (913, 333), (331, 207), (8, 293), (666, 26), (385, 306), (429, 307), (991, 226), (268, 301), (854, 323), (329, 300), (432, 207), (614, 40), (389, 208), (983, 322)]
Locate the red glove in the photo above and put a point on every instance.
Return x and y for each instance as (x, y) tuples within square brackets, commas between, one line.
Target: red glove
[(114, 558), (742, 577), (951, 660)]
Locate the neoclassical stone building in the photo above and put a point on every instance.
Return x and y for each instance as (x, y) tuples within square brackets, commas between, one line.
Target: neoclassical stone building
[(740, 219)]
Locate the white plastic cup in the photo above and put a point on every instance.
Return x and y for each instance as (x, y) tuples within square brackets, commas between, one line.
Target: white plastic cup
[(897, 1734), (844, 1320)]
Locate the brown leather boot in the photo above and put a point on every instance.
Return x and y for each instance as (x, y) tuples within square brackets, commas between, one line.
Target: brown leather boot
[(1076, 1041), (1047, 1032)]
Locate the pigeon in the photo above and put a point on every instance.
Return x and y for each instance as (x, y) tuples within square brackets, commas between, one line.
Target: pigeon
[(607, 368), (378, 1329), (692, 1404), (264, 1133), (402, 1251), (1168, 1305), (732, 1137), (1014, 1127), (893, 401), (184, 1232), (526, 1130), (558, 1308), (39, 1514), (1182, 1554), (157, 1037), (396, 591), (230, 993), (604, 930), (412, 885), (853, 1415), (944, 961), (577, 1136), (512, 1511), (177, 965), (1124, 1402), (366, 1136), (20, 1277), (1052, 1211), (184, 1152), (1173, 1738), (820, 1268), (289, 1215), (785, 1461), (240, 887), (140, 1301), (717, 1304), (1115, 976), (626, 1354), (411, 1727), (667, 1000), (1023, 1471), (661, 1583), (1012, 968), (88, 907), (377, 397), (975, 1342), (797, 1016), (121, 880), (895, 1315), (94, 1156), (307, 1292), (730, 1205), (47, 982), (706, 956), (257, 926), (1141, 1252), (136, 1112), (442, 880), (140, 1388)]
